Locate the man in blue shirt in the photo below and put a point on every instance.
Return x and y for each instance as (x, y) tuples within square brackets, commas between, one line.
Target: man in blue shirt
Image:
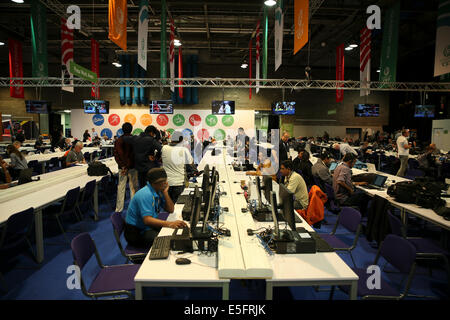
[(142, 224)]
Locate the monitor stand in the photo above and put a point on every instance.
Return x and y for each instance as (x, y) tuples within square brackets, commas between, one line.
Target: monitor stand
[(290, 242)]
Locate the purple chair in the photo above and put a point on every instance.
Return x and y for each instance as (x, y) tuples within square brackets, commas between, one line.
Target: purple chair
[(332, 204), (87, 197), (398, 252), (115, 280), (132, 254), (350, 219)]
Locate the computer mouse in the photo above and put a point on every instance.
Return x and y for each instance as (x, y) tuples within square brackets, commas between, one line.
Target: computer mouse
[(182, 261)]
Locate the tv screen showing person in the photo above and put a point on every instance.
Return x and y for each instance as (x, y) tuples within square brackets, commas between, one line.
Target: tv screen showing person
[(223, 107), (283, 108), (161, 107)]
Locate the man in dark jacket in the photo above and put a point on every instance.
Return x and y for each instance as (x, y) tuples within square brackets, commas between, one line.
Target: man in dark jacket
[(146, 152), (124, 156), (284, 147)]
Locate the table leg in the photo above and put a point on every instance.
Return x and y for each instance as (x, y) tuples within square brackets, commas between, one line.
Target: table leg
[(39, 235), (353, 290), (96, 202), (404, 217), (138, 292), (226, 291), (269, 290), (43, 167)]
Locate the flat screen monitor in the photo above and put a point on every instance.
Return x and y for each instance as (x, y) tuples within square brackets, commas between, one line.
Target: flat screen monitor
[(209, 206), (367, 110), (161, 107), (283, 108), (267, 181), (195, 213), (287, 201), (36, 106), (424, 111), (222, 107), (96, 106), (379, 181), (258, 191), (273, 205), (205, 182)]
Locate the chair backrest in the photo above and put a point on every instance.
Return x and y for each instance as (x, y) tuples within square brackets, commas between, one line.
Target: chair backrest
[(32, 164), (83, 247), (88, 192), (396, 225), (117, 222), (329, 191), (350, 218), (18, 224), (399, 252), (71, 199)]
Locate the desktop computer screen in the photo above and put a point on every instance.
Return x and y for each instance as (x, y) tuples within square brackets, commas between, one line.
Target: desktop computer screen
[(195, 214), (267, 180), (287, 201)]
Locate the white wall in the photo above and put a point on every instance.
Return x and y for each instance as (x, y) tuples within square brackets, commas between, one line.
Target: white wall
[(334, 131), (440, 134)]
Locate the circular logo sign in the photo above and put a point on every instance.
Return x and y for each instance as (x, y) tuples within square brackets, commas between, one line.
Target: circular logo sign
[(137, 131), (146, 120), (130, 118), (171, 131), (162, 120), (114, 119), (98, 119), (227, 121), (178, 120), (195, 120), (187, 132), (119, 133), (211, 120), (219, 134), (203, 134), (106, 132)]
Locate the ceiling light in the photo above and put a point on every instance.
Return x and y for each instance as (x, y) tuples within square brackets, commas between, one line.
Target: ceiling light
[(2, 43), (378, 70), (270, 3), (348, 49), (117, 64), (177, 43), (67, 111), (244, 65), (353, 46), (17, 1)]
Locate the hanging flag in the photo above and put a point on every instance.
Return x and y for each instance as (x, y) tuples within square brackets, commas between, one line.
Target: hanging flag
[(442, 55), (143, 34), (180, 72), (15, 67), (95, 66), (340, 72), (279, 25), (163, 71), (172, 56), (301, 20), (364, 62), (388, 69), (117, 19), (66, 56), (265, 45), (258, 51), (250, 67), (39, 40)]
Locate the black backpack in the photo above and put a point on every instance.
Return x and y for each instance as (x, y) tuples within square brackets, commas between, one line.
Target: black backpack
[(97, 168), (403, 191)]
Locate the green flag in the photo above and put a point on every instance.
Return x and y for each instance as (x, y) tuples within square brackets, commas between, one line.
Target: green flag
[(389, 51), (39, 39), (265, 44), (163, 40), (82, 72)]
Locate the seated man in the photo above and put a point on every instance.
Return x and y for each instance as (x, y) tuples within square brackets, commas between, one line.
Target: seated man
[(295, 183), (345, 148), (343, 185), (142, 224), (321, 170), (5, 177), (75, 155)]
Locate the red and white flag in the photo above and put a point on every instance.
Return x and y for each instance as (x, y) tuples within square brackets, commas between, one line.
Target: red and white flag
[(66, 55), (15, 67), (258, 51), (180, 72), (95, 66), (172, 56), (364, 64), (340, 72)]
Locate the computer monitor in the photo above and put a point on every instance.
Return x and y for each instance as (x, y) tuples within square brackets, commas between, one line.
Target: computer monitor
[(25, 175), (196, 206), (287, 201), (273, 205), (267, 180), (258, 191), (205, 181), (379, 180), (210, 204)]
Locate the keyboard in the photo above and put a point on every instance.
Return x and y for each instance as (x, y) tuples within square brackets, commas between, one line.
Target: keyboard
[(369, 186), (321, 245), (160, 248)]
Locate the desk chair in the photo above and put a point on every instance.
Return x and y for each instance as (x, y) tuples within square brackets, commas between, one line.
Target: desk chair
[(34, 164), (53, 164), (332, 204), (115, 280), (399, 253), (87, 156), (108, 188), (87, 198)]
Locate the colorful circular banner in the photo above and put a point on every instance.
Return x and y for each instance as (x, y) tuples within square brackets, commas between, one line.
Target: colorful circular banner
[(219, 134), (114, 119), (131, 118), (195, 120), (178, 120), (187, 132), (203, 134), (162, 120), (146, 120), (119, 133), (106, 132), (98, 119), (227, 121), (211, 120), (137, 131)]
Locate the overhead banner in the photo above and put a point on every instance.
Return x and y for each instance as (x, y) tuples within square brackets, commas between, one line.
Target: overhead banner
[(265, 45), (180, 72), (66, 56), (163, 67), (15, 68), (250, 68), (301, 20), (117, 19), (82, 72), (95, 66), (364, 61), (258, 52), (172, 56), (143, 34), (389, 51), (39, 39), (340, 72), (279, 24), (442, 55)]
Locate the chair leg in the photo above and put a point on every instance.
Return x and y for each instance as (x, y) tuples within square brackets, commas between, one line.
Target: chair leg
[(351, 256), (62, 229), (331, 293)]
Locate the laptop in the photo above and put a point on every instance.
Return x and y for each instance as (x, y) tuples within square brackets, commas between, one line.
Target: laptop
[(333, 166), (378, 183)]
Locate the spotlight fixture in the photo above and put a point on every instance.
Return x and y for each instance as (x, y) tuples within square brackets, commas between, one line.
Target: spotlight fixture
[(176, 43), (17, 1), (353, 46), (117, 64), (2, 43), (348, 49), (378, 70), (270, 3), (67, 111), (244, 64)]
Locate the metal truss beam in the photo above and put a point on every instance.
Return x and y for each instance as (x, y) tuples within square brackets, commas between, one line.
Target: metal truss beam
[(232, 83)]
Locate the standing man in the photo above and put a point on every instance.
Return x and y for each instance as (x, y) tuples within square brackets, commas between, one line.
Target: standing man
[(174, 159), (146, 150), (284, 147), (403, 152), (124, 156)]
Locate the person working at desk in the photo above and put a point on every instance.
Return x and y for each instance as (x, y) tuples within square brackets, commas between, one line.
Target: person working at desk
[(18, 161), (141, 223), (295, 183), (345, 148), (403, 152), (303, 165), (427, 162), (321, 169), (5, 177), (75, 155)]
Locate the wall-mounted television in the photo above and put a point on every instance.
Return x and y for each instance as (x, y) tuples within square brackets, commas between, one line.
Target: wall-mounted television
[(283, 108), (367, 110), (96, 106), (35, 106), (161, 107), (424, 111), (222, 107)]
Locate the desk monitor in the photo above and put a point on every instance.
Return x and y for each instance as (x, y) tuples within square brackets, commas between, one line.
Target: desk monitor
[(379, 180), (273, 205), (205, 182), (196, 206), (258, 191), (287, 201), (267, 180), (25, 175), (210, 204)]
